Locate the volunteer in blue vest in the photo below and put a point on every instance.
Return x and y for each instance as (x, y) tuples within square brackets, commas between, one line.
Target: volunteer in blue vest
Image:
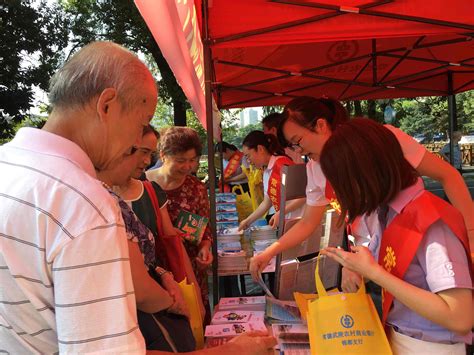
[(307, 124), (418, 250)]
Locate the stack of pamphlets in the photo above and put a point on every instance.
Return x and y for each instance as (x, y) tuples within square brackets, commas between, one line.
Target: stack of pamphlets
[(226, 211), (229, 240), (254, 303), (226, 324), (278, 311), (222, 327), (232, 261), (292, 338), (230, 255), (262, 237)]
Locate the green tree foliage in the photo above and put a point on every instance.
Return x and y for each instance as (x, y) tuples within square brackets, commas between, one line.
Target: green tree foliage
[(33, 36), (426, 115), (119, 21)]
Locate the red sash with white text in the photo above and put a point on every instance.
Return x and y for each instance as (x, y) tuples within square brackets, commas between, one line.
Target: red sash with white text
[(234, 163), (274, 182), (402, 237)]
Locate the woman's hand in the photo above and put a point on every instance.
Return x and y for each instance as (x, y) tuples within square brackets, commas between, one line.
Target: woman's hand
[(274, 220), (258, 263), (179, 305), (204, 257), (360, 260), (350, 280), (252, 343), (244, 224)]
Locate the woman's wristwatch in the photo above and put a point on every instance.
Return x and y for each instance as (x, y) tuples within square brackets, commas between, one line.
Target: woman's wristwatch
[(160, 271)]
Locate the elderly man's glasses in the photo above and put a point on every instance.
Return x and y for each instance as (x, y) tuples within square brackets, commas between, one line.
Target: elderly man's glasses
[(135, 149)]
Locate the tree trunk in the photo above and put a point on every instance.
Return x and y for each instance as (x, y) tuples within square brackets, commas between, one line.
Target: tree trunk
[(371, 109), (358, 109), (173, 89), (179, 112), (349, 107)]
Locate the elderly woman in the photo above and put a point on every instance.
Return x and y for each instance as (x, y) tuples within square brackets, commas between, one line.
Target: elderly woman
[(152, 295), (180, 147)]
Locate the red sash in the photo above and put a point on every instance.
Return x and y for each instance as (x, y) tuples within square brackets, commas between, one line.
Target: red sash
[(234, 163), (402, 237), (274, 182), (331, 196)]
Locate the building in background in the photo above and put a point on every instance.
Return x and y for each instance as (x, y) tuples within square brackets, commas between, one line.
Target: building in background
[(253, 116)]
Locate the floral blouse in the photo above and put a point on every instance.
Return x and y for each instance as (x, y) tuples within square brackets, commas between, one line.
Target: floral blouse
[(137, 232), (191, 196)]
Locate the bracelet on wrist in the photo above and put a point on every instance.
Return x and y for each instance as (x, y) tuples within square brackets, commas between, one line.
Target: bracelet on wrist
[(160, 271)]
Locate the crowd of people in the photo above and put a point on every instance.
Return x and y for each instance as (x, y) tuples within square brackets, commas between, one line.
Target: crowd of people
[(91, 259)]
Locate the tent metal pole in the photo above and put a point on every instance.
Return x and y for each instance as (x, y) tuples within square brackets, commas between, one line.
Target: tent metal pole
[(210, 148), (452, 120), (374, 62)]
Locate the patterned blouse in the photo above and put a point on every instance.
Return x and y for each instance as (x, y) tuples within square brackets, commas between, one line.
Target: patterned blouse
[(137, 232), (191, 196)]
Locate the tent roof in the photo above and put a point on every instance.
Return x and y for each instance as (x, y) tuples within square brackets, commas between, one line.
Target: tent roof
[(246, 23), (347, 70), (267, 52)]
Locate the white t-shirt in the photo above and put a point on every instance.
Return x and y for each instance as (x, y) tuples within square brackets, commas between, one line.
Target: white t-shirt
[(65, 275), (316, 186), (266, 178)]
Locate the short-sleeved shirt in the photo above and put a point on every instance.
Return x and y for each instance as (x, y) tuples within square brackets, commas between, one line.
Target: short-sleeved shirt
[(440, 264), (266, 178), (316, 186), (457, 160), (64, 265)]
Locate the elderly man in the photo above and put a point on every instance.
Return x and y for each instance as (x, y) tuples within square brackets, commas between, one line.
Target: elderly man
[(65, 280)]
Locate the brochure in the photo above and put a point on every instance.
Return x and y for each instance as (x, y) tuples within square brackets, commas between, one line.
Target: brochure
[(240, 302), (224, 330), (191, 224), (282, 311), (237, 316)]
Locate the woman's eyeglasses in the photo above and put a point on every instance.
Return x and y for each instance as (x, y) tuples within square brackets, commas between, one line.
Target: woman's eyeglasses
[(296, 147)]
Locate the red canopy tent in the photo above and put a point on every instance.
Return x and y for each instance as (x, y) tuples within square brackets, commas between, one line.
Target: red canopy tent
[(259, 52), (267, 52)]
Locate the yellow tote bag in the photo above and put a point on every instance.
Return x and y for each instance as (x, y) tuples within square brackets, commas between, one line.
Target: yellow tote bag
[(191, 298), (345, 323), (255, 181), (243, 203)]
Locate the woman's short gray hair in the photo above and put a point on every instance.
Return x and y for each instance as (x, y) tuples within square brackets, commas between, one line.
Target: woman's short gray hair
[(95, 67)]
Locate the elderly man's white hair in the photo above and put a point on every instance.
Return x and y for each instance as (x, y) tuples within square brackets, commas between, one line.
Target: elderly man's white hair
[(95, 67)]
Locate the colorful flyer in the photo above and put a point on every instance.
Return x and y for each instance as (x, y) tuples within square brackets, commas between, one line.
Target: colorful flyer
[(224, 330), (192, 225), (232, 302), (237, 316)]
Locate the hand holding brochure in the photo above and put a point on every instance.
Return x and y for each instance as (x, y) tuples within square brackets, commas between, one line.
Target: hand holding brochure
[(192, 225)]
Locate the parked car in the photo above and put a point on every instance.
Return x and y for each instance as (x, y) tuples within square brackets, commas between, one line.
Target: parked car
[(419, 137), (439, 137)]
